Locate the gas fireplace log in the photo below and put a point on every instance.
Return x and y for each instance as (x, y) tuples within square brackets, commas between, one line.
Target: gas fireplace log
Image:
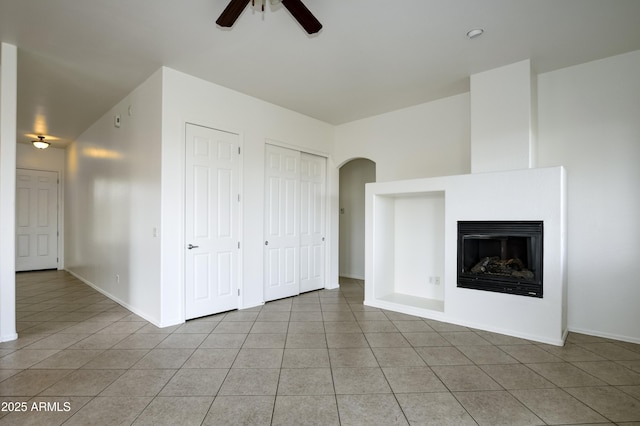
[(508, 267)]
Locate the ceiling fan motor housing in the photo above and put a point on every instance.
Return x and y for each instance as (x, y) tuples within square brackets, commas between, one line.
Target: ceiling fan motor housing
[(297, 9)]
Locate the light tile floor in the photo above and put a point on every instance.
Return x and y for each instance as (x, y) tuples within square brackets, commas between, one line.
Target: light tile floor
[(319, 358)]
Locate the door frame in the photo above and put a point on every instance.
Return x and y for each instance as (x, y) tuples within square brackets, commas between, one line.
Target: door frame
[(60, 199), (329, 237), (183, 235)]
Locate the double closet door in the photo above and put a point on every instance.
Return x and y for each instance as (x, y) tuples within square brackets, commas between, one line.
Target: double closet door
[(295, 200)]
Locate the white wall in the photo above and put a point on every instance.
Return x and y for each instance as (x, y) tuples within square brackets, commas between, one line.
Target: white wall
[(113, 202), (189, 99), (589, 122), (353, 176), (430, 139), (502, 116), (8, 113), (50, 159), (53, 160)]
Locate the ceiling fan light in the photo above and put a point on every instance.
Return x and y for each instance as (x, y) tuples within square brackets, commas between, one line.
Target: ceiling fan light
[(40, 143)]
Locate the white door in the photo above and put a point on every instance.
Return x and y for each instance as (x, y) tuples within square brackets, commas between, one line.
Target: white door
[(312, 219), (36, 220), (282, 223), (211, 221)]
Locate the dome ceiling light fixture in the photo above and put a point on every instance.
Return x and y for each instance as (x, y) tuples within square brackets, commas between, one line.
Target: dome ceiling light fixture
[(41, 143), (474, 33)]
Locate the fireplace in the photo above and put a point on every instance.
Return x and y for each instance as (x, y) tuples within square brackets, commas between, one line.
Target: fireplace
[(501, 256)]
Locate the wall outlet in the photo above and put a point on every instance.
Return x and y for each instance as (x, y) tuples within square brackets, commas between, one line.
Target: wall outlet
[(436, 280), (117, 278), (116, 120)]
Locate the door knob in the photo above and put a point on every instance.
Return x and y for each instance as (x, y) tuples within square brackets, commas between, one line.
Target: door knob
[(266, 243), (191, 246)]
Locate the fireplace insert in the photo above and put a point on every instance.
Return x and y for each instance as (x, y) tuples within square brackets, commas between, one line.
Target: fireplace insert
[(501, 256)]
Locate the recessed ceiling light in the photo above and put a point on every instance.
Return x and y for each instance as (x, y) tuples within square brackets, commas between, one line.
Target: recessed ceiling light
[(476, 32)]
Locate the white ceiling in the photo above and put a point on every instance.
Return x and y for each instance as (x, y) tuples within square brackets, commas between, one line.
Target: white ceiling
[(78, 58)]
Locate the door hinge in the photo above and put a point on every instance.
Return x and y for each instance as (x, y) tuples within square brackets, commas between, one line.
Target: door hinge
[(238, 197), (238, 244), (238, 150), (238, 292)]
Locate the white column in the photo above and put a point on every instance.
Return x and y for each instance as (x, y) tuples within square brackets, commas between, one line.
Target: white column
[(8, 113), (503, 111)]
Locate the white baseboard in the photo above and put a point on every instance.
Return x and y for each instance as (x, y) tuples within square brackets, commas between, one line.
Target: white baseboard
[(353, 276), (605, 335), (8, 337), (118, 301)]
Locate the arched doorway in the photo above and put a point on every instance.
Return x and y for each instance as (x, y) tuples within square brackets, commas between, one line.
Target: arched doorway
[(353, 176)]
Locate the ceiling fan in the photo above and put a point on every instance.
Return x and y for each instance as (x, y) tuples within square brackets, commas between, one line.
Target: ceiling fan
[(299, 11)]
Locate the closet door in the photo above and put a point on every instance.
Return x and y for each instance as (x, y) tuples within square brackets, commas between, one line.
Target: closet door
[(211, 221), (312, 221), (282, 223)]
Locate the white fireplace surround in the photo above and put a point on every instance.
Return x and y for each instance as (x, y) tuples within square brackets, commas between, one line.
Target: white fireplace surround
[(411, 249)]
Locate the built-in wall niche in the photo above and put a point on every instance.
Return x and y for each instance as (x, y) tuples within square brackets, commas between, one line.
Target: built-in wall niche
[(410, 249)]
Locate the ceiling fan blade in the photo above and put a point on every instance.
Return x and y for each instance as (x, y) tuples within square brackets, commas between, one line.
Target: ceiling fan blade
[(303, 15), (232, 12)]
